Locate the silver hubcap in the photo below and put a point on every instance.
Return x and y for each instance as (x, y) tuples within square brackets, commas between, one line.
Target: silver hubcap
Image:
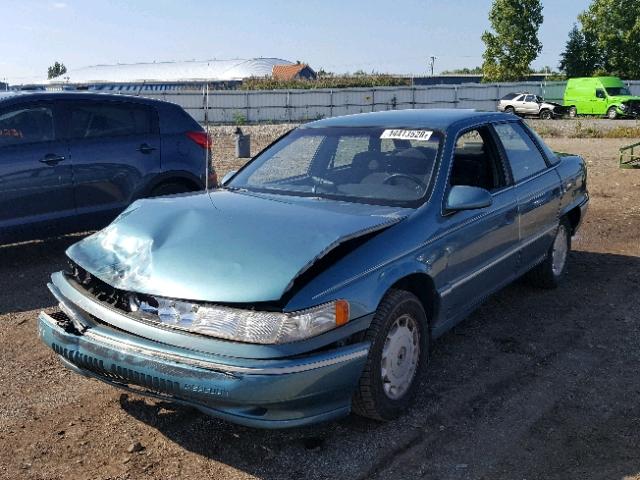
[(400, 356), (559, 253)]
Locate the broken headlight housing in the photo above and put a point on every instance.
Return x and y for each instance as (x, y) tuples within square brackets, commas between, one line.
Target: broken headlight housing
[(244, 325)]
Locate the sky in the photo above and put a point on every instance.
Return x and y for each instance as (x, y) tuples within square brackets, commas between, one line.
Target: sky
[(394, 36)]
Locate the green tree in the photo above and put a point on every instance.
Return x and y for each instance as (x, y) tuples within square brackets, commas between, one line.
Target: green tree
[(580, 57), (463, 71), (513, 44), (56, 70), (615, 27)]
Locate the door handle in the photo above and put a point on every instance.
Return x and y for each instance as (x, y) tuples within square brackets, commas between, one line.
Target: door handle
[(146, 148), (52, 159)]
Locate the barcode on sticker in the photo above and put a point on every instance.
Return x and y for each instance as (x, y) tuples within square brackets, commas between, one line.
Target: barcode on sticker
[(419, 135)]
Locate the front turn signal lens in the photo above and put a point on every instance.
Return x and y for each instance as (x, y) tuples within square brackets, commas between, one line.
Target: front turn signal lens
[(342, 312)]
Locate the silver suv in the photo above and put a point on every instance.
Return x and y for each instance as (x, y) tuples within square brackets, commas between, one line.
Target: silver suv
[(527, 104)]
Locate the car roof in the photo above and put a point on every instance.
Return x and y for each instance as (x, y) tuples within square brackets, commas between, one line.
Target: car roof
[(436, 118), (16, 97)]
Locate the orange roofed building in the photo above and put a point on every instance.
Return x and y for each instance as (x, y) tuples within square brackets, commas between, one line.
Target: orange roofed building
[(297, 71)]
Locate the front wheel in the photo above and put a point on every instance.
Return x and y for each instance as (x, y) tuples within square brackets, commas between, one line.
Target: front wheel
[(612, 113), (545, 114), (399, 337), (550, 272)]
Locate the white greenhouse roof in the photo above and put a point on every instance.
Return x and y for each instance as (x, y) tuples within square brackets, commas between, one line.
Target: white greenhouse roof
[(206, 70)]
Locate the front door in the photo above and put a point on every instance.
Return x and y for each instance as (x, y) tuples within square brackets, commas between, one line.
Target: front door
[(36, 181), (483, 243), (599, 102)]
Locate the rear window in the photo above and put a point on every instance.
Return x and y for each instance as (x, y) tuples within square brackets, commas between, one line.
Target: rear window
[(98, 120), (510, 96)]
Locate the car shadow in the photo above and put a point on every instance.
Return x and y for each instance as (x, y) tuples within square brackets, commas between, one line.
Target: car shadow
[(25, 269), (517, 389)]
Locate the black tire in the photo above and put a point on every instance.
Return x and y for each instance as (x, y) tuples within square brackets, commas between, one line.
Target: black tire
[(612, 113), (169, 188), (370, 399), (573, 112), (546, 275), (546, 114), (510, 110)]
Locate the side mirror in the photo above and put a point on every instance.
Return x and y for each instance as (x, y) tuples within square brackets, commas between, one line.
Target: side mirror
[(464, 197), (227, 177)]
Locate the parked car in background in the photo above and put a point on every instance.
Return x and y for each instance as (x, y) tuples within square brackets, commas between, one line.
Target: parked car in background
[(600, 96), (315, 281), (527, 104), (73, 161)]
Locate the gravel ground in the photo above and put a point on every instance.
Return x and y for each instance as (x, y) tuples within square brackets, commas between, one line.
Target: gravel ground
[(533, 385)]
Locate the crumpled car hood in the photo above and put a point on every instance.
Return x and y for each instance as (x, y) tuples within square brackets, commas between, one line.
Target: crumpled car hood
[(227, 247)]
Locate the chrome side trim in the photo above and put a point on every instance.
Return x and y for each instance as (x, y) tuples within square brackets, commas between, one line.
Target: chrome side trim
[(496, 261), (155, 354)]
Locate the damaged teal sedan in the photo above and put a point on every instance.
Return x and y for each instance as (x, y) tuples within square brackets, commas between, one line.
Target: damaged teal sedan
[(313, 282)]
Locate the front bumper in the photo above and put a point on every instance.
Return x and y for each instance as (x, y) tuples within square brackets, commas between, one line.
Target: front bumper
[(267, 393)]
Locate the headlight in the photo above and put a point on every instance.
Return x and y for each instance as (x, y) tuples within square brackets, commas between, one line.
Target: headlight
[(248, 326)]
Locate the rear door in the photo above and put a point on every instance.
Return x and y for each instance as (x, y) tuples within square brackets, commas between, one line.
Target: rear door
[(520, 105), (115, 148), (537, 189), (36, 188)]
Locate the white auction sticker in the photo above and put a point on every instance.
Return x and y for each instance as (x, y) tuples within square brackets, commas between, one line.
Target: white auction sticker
[(419, 135)]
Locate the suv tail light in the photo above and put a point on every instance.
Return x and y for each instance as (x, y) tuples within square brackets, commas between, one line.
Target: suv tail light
[(200, 138)]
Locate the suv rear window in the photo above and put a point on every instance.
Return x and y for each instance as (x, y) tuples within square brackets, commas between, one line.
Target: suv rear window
[(509, 96), (96, 120)]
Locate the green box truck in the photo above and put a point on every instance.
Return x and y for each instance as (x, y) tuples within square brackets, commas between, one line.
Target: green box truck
[(600, 96)]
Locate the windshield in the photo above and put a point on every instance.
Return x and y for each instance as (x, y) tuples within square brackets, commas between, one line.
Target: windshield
[(370, 165), (616, 91)]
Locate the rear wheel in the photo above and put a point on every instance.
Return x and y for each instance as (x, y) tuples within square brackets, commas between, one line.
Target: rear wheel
[(545, 114), (399, 337), (510, 110), (612, 113), (573, 112), (169, 188), (550, 272)]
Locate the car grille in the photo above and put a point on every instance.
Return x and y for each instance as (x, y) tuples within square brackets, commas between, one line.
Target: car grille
[(100, 290)]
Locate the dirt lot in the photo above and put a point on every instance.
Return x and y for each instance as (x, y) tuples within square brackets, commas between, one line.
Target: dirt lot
[(534, 385)]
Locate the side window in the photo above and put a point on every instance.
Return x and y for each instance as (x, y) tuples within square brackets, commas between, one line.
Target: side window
[(600, 93), (519, 99), (524, 156), (96, 120), (530, 98), (24, 125), (347, 148), (476, 162)]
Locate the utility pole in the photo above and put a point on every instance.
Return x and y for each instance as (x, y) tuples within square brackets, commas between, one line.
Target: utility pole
[(432, 62)]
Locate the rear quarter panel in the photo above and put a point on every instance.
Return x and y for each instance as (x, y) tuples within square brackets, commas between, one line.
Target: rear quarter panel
[(573, 173), (179, 152)]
